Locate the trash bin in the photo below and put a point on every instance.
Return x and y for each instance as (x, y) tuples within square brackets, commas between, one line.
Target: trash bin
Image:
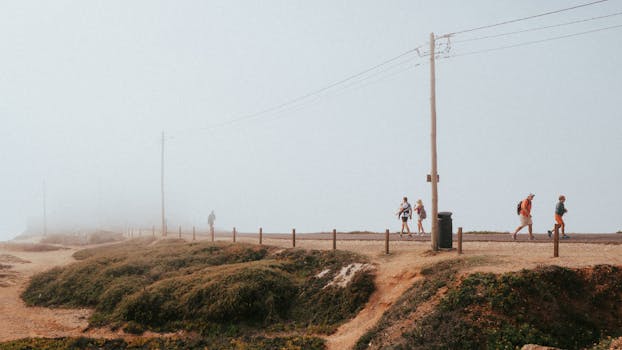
[(445, 230)]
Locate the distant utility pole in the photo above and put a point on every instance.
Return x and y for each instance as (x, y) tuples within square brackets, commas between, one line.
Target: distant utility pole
[(162, 185), (434, 175), (45, 215)]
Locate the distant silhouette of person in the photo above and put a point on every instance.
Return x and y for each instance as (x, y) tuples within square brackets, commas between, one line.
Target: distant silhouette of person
[(560, 210), (421, 215), (525, 216), (405, 213), (210, 221)]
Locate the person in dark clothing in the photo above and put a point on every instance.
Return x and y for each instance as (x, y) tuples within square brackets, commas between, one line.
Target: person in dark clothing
[(560, 210)]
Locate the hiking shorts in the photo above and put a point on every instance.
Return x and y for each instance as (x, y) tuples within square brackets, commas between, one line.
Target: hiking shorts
[(525, 220), (559, 220), (404, 218)]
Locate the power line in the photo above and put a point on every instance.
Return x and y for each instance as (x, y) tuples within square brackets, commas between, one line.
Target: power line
[(312, 93), (537, 28), (524, 18), (384, 74), (533, 42)]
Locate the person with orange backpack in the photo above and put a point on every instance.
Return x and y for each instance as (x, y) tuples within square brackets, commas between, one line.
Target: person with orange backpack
[(524, 211)]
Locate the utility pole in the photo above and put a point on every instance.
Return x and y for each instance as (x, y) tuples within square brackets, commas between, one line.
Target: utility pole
[(45, 215), (434, 175), (162, 185)]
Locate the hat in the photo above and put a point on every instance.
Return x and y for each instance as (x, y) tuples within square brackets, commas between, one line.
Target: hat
[(531, 195)]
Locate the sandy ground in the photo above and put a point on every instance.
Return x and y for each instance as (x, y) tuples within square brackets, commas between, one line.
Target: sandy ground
[(395, 273)]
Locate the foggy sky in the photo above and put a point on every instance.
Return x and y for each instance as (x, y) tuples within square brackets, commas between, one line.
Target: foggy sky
[(87, 87)]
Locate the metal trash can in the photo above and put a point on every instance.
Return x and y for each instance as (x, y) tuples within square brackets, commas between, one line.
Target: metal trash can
[(445, 230)]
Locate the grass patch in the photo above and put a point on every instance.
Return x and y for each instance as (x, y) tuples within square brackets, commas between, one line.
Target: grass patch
[(210, 288), (31, 247), (550, 306), (98, 237), (245, 343)]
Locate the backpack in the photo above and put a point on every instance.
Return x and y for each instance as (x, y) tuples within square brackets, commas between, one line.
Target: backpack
[(518, 207), (422, 214)]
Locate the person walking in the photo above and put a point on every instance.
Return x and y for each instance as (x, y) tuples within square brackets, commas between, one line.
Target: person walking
[(421, 215), (525, 216), (210, 221), (405, 213), (560, 210)]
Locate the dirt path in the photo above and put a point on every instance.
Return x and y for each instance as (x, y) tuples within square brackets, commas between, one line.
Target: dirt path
[(393, 279), (395, 274), (19, 321)]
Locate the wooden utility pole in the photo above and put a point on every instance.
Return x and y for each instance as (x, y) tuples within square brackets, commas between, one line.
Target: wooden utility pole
[(434, 175), (162, 187)]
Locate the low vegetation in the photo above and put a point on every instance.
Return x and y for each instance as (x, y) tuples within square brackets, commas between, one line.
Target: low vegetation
[(551, 306), (30, 247), (222, 291), (245, 343), (79, 239)]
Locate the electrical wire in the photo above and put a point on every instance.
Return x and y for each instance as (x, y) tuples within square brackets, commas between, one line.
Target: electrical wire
[(537, 28), (522, 19), (312, 93), (532, 42)]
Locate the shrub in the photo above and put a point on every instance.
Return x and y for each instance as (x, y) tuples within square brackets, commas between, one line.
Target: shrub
[(211, 288)]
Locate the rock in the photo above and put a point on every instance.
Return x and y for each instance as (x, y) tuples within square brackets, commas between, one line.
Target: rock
[(537, 347)]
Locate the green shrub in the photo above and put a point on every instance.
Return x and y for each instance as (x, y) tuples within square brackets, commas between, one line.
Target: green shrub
[(242, 343), (551, 306), (219, 288)]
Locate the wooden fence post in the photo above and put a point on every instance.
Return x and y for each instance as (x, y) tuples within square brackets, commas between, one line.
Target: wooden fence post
[(194, 233), (556, 242), (294, 237), (459, 240), (334, 239), (179, 231), (386, 242), (260, 235), (211, 231), (234, 234)]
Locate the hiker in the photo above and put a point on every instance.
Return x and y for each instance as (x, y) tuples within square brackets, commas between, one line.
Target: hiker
[(560, 210), (405, 212), (525, 216), (421, 214), (210, 221)]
